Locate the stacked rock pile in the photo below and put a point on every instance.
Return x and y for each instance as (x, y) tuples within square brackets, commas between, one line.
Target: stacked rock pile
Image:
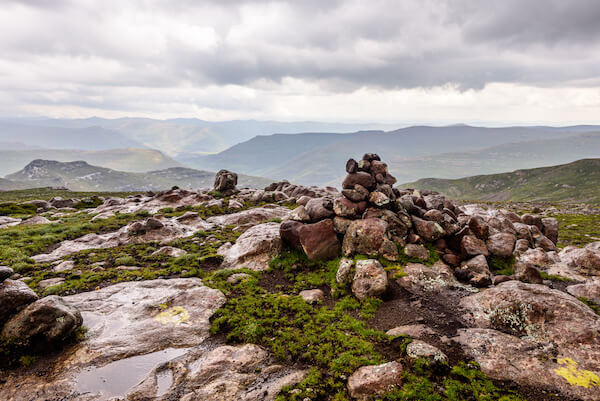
[(370, 217), (38, 323)]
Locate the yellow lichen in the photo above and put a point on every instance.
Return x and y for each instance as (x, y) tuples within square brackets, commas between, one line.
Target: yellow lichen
[(174, 315), (575, 376)]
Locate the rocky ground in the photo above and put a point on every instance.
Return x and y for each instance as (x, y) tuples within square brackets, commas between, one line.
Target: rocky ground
[(298, 293)]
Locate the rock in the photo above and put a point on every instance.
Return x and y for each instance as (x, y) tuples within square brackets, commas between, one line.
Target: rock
[(370, 279), (50, 282), (35, 220), (289, 231), (312, 296), (64, 266), (379, 199), (479, 227), (237, 278), (418, 349), (527, 273), (346, 208), (521, 245), (534, 336), (225, 182), (343, 274), (319, 240), (411, 330), (303, 200), (540, 240), (416, 251), (585, 260), (251, 217), (434, 215), (360, 178), (300, 214), (398, 223), (358, 194), (501, 244), (473, 246), (169, 251), (437, 278), (341, 224), (319, 209), (5, 272), (45, 321), (59, 202), (501, 279), (371, 156), (428, 230), (589, 290), (537, 257), (367, 236), (550, 228), (254, 248), (351, 166), (14, 296), (476, 272), (369, 381), (451, 259)]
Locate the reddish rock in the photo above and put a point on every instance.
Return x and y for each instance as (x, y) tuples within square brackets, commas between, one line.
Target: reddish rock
[(428, 230), (319, 240), (379, 199), (501, 279), (501, 244), (527, 273), (369, 381), (319, 208), (550, 228), (434, 215), (312, 296), (451, 259), (346, 208), (360, 178), (479, 227), (365, 236), (370, 279), (378, 167), (473, 246), (359, 193), (416, 251), (351, 166), (340, 224)]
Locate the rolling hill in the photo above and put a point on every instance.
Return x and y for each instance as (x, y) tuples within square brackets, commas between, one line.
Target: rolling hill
[(131, 159), (81, 176), (577, 181), (318, 158)]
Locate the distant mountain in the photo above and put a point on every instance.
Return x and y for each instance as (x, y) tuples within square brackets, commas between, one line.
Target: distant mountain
[(8, 185), (57, 137), (190, 136), (81, 176), (578, 181), (319, 158), (132, 159)]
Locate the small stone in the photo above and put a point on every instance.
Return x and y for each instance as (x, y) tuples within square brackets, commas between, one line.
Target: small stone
[(411, 330), (312, 296), (5, 272), (342, 276), (64, 266), (351, 166), (370, 279), (416, 251), (50, 282), (418, 349), (369, 381)]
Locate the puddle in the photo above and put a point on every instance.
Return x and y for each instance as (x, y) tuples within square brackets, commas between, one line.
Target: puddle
[(164, 380), (116, 378)]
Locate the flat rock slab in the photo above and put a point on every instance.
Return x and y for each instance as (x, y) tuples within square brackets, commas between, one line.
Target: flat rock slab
[(248, 218), (124, 320)]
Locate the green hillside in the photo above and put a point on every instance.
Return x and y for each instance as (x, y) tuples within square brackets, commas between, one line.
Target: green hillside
[(578, 181)]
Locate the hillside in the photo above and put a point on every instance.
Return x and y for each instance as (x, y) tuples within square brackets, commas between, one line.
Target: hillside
[(577, 181), (130, 159), (81, 176), (315, 158)]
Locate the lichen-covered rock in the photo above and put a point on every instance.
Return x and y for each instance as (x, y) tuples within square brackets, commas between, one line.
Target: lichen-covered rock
[(254, 248), (585, 260), (343, 274), (418, 349), (319, 209), (589, 290), (319, 240), (346, 208), (46, 321), (370, 279), (14, 296), (501, 244), (368, 381), (369, 237)]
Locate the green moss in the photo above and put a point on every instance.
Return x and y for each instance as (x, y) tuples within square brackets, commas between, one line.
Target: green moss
[(15, 210), (553, 277), (594, 306), (578, 229), (88, 203), (502, 266), (125, 260), (404, 259)]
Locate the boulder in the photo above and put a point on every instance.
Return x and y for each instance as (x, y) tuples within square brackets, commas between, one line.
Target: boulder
[(346, 208), (5, 272), (473, 246), (360, 178), (589, 290), (411, 330), (479, 227), (319, 209), (416, 251), (35, 220), (64, 266), (358, 194), (300, 214), (475, 271), (319, 240), (550, 228), (369, 381), (14, 296), (351, 166), (541, 241), (585, 260), (369, 237), (289, 231), (527, 273), (370, 279), (501, 244), (341, 224), (225, 182), (254, 248), (46, 321), (428, 230)]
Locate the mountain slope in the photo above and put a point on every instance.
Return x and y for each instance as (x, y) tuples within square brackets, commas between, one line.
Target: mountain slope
[(319, 158), (132, 159), (55, 137), (81, 176), (577, 181)]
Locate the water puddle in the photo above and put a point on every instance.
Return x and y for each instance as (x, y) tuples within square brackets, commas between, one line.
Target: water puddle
[(116, 378)]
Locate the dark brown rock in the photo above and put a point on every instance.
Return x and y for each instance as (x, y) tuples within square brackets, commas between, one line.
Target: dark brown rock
[(358, 194), (289, 231), (346, 208), (365, 236), (371, 157), (479, 227), (319, 208), (473, 246), (225, 182), (429, 231), (14, 296), (361, 178), (351, 166)]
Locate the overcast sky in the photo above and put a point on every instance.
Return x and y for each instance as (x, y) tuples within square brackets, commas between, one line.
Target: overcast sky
[(492, 62)]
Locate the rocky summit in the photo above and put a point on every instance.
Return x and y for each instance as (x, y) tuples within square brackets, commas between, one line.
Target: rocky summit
[(374, 292)]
